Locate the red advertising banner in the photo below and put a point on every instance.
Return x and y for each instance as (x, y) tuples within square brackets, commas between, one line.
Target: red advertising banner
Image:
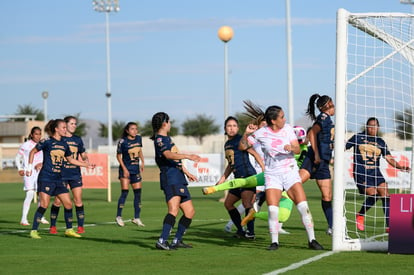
[(96, 178), (401, 236)]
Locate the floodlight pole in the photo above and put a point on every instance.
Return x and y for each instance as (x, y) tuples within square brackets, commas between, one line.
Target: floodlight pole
[(289, 64)]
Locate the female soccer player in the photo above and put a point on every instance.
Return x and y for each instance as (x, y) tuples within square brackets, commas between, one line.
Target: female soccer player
[(368, 149), (71, 176), (173, 182), (316, 163), (279, 144), (240, 166), (30, 183), (129, 153), (55, 150)]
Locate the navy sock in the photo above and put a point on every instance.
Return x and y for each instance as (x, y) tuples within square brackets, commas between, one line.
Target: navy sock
[(68, 218), (183, 224), (327, 210), (121, 202), (236, 218), (37, 217), (137, 203), (368, 203), (54, 213), (80, 215), (168, 224)]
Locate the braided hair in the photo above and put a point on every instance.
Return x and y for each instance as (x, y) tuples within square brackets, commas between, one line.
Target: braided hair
[(157, 120), (321, 103)]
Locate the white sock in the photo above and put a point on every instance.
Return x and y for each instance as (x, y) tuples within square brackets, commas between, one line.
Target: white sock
[(241, 209), (306, 219), (274, 222), (26, 204)]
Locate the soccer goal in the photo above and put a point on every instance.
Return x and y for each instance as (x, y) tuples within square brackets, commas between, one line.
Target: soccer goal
[(374, 78)]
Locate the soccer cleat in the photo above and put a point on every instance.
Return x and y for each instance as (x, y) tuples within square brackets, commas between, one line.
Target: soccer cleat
[(240, 235), (360, 222), (249, 217), (315, 245), (34, 234), (208, 190), (25, 223), (43, 221), (80, 230), (53, 230), (71, 233), (138, 222), (119, 221), (250, 236), (273, 246), (162, 246), (329, 231), (180, 244)]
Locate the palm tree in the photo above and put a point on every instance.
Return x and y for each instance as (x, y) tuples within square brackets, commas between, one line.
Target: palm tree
[(29, 110), (199, 127)]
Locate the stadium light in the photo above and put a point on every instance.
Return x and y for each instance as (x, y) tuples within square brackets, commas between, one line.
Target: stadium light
[(107, 6), (45, 95), (225, 33)]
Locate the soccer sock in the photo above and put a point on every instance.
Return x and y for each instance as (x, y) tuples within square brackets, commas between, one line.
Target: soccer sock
[(306, 219), (54, 212), (121, 202), (168, 224), (37, 217), (250, 224), (386, 208), (240, 208), (260, 198), (137, 203), (80, 215), (263, 215), (236, 218), (368, 203), (68, 218), (274, 223), (26, 204), (327, 210), (183, 224)]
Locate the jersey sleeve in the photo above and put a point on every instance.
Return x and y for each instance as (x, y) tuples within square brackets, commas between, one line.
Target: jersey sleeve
[(351, 142)]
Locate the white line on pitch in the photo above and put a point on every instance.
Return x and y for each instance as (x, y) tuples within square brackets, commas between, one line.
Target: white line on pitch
[(301, 263)]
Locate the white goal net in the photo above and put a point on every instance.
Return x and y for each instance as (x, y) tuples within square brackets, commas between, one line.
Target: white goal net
[(374, 78)]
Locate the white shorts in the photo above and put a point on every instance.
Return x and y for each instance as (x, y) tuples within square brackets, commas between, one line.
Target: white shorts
[(30, 183), (282, 181)]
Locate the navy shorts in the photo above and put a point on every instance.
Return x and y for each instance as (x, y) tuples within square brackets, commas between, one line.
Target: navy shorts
[(73, 183), (133, 178), (176, 190), (317, 171), (237, 191), (52, 188), (365, 181)]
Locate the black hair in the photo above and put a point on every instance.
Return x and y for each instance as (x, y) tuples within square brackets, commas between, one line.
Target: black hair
[(126, 128), (227, 120), (373, 119), (51, 126), (272, 112), (321, 102), (157, 120), (254, 112), (34, 129)]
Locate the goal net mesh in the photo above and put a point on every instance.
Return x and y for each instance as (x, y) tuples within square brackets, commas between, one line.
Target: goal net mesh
[(378, 82)]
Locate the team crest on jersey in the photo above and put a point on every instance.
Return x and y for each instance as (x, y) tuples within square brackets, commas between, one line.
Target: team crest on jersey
[(159, 142), (181, 190), (47, 189), (324, 116)]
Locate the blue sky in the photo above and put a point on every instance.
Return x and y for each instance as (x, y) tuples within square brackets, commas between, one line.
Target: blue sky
[(166, 56)]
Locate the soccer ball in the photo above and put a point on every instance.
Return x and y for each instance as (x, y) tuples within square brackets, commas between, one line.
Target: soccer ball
[(300, 133)]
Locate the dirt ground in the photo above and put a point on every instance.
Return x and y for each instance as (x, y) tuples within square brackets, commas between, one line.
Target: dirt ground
[(151, 173)]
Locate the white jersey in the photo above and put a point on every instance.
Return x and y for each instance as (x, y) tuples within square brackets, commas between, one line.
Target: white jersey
[(257, 147), (22, 157), (276, 159)]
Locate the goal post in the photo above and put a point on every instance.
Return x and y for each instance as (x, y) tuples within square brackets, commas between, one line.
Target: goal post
[(374, 78)]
